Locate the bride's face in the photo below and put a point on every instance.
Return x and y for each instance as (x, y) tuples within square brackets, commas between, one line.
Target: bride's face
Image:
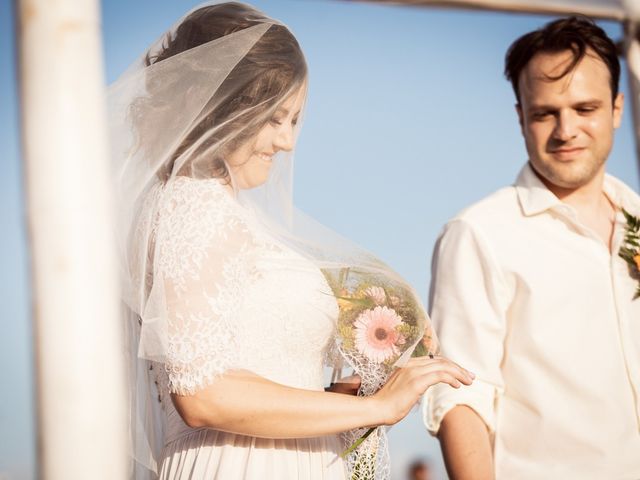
[(250, 164)]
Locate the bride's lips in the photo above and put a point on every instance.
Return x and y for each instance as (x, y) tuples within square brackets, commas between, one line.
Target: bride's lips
[(567, 153), (265, 157)]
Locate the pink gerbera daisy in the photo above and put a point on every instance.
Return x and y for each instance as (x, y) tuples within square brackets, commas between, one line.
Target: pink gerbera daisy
[(376, 334), (376, 294)]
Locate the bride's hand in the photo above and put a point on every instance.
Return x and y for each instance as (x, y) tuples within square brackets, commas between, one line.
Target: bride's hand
[(407, 384)]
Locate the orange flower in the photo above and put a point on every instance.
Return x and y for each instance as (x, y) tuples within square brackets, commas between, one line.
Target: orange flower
[(345, 304), (637, 260)]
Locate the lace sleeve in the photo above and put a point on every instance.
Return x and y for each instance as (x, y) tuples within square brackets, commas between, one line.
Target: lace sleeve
[(203, 260)]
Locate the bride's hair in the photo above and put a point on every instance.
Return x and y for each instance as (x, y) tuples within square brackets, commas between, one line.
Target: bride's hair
[(269, 72)]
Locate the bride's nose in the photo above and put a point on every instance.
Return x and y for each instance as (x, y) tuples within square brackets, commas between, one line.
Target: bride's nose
[(284, 139)]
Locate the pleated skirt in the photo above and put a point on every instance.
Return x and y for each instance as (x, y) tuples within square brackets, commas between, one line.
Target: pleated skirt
[(207, 454)]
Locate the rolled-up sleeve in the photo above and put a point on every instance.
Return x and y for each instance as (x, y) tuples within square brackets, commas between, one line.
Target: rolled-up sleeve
[(468, 301)]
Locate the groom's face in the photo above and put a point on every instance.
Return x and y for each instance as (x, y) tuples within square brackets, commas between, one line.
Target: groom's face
[(568, 123)]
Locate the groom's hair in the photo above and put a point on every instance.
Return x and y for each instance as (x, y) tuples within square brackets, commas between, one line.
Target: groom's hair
[(577, 34)]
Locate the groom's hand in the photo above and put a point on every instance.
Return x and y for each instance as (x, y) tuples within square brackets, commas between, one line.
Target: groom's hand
[(346, 385)]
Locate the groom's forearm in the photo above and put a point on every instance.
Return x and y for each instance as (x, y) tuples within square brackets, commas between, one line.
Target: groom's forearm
[(466, 446)]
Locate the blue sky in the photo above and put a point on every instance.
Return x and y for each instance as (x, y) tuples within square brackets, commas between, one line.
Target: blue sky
[(409, 119)]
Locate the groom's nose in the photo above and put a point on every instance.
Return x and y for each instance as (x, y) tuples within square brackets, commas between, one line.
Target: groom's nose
[(566, 126)]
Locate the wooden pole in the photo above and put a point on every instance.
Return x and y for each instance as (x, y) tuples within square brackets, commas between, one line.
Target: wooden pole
[(632, 54), (79, 364), (601, 10)]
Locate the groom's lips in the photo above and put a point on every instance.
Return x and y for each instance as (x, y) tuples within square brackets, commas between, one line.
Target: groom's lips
[(566, 153)]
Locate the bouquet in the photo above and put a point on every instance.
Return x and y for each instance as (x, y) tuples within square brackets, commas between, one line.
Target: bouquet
[(381, 324)]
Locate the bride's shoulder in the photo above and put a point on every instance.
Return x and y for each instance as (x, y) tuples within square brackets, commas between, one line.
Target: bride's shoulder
[(187, 188), (189, 202)]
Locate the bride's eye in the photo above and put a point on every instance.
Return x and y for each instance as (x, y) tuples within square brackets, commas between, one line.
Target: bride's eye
[(275, 121)]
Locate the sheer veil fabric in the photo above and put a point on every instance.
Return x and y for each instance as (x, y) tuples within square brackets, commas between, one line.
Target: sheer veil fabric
[(177, 115)]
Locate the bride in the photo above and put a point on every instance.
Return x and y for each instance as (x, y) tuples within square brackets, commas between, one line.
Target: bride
[(228, 312)]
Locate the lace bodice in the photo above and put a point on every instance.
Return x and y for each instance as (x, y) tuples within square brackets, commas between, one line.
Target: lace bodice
[(234, 296)]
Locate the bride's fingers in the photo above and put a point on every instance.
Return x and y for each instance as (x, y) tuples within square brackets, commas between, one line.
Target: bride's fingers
[(422, 368), (420, 381), (407, 384), (451, 367), (435, 359), (442, 376)]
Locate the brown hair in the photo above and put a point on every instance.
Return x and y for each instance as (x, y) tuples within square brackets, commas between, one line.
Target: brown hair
[(246, 99), (577, 34)]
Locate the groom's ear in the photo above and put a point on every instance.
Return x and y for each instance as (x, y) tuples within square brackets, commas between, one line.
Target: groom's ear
[(520, 117), (618, 108)]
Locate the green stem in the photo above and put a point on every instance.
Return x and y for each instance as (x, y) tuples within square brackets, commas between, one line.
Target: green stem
[(357, 443)]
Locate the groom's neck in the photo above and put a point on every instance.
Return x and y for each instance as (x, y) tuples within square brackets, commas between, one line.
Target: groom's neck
[(586, 197)]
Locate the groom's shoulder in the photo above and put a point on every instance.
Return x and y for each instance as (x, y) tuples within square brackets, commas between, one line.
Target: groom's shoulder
[(498, 208), (629, 198)]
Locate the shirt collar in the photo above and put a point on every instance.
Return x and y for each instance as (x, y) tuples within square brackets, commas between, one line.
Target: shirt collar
[(621, 195), (536, 198)]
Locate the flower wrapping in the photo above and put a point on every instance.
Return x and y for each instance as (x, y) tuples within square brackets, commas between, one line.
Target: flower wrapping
[(381, 324)]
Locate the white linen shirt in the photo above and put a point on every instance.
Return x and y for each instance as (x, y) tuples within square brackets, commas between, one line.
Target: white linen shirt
[(534, 303)]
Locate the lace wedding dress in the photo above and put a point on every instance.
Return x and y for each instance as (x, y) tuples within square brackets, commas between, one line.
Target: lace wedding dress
[(235, 298)]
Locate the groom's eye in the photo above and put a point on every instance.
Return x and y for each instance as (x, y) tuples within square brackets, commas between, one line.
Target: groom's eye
[(586, 110), (542, 115)]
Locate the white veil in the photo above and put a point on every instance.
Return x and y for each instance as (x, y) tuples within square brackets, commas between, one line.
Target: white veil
[(178, 112)]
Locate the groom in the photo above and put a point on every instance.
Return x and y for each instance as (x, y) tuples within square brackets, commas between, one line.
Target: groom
[(530, 293)]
